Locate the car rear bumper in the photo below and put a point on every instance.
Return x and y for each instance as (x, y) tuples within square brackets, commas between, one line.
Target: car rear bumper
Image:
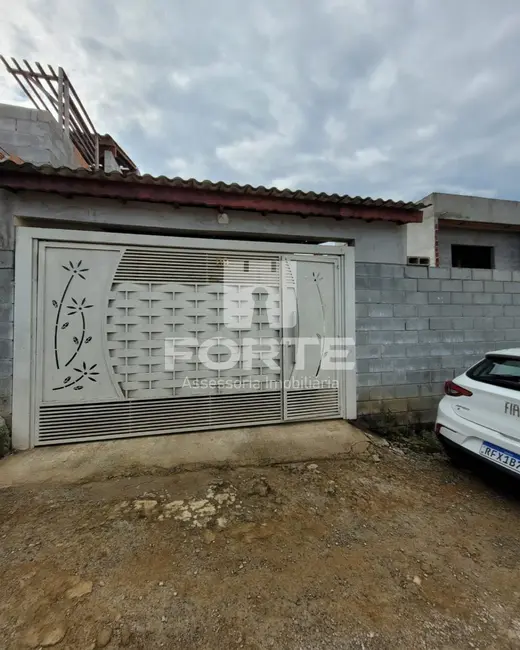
[(478, 458), (469, 436)]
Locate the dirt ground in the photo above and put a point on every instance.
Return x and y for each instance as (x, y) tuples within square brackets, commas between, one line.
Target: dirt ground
[(390, 551)]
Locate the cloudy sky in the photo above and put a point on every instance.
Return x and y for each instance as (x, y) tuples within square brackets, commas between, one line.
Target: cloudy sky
[(392, 98)]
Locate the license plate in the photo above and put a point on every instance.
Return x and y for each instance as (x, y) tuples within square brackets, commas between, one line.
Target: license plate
[(501, 456)]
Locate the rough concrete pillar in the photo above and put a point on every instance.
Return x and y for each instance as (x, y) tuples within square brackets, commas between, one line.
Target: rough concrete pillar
[(6, 309)]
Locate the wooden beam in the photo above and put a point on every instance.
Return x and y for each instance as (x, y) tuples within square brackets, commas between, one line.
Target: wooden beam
[(60, 97), (32, 75), (19, 81), (66, 105), (32, 85), (77, 131), (97, 161), (478, 225), (75, 96), (37, 85)]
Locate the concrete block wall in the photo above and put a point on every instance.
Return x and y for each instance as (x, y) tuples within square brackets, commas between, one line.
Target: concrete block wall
[(6, 308), (35, 137), (418, 326)]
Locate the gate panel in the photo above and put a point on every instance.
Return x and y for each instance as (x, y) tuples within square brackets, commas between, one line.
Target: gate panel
[(73, 282), (132, 339), (122, 332), (312, 302)]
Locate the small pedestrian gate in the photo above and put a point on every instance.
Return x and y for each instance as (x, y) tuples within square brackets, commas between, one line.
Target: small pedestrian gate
[(127, 335)]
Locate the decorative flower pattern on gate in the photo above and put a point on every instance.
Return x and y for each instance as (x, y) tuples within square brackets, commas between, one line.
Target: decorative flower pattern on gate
[(74, 326), (84, 373)]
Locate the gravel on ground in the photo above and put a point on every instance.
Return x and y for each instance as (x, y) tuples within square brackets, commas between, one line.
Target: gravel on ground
[(397, 550)]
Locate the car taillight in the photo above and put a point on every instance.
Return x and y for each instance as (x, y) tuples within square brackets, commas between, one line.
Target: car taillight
[(454, 390)]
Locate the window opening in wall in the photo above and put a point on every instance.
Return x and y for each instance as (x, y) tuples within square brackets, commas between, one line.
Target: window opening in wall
[(472, 257)]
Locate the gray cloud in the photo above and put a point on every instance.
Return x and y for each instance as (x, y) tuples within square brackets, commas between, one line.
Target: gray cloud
[(393, 99)]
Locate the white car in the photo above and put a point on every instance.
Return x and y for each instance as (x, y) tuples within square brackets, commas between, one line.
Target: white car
[(480, 412)]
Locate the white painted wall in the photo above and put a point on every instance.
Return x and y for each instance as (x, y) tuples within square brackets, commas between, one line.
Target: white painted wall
[(420, 237), (374, 242)]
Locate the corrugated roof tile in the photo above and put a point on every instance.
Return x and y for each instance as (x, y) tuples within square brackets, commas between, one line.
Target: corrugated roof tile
[(207, 185)]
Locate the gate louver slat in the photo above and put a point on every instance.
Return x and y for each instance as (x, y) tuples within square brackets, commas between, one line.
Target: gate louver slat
[(99, 421), (148, 265), (307, 404)]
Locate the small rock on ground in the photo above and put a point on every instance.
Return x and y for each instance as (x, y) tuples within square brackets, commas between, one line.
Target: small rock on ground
[(103, 637), (209, 536), (81, 589), (146, 506), (260, 487), (125, 634), (47, 636), (331, 488)]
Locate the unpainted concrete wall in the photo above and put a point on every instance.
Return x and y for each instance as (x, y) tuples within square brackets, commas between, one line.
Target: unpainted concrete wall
[(506, 245), (35, 137), (6, 305), (418, 326), (475, 208), (420, 237), (381, 241)]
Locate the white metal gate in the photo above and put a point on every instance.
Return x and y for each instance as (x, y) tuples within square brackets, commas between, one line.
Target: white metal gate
[(134, 335)]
